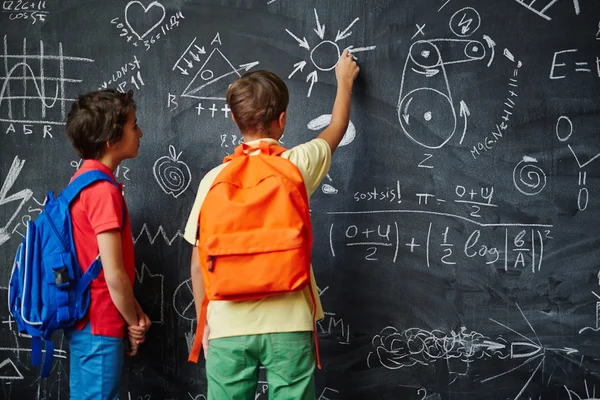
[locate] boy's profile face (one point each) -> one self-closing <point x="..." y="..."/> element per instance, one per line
<point x="129" y="144"/>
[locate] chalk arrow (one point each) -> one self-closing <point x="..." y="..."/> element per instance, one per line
<point x="200" y="49"/>
<point x="301" y="43"/>
<point x="247" y="67"/>
<point x="183" y="71"/>
<point x="194" y="56"/>
<point x="352" y="49"/>
<point x="344" y="34"/>
<point x="189" y="63"/>
<point x="567" y="350"/>
<point x="491" y="44"/>
<point x="312" y="77"/>
<point x="405" y="115"/>
<point x="320" y="31"/>
<point x="493" y="345"/>
<point x="464" y="112"/>
<point x="298" y="66"/>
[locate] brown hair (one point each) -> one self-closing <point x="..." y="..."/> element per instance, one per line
<point x="257" y="99"/>
<point x="96" y="118"/>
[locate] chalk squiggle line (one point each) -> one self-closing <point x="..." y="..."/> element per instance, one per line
<point x="588" y="328"/>
<point x="24" y="64"/>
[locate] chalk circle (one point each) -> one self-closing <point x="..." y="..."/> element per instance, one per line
<point x="528" y="178"/>
<point x="324" y="120"/>
<point x="425" y="54"/>
<point x="183" y="301"/>
<point x="475" y="50"/>
<point x="207" y="74"/>
<point x="568" y="124"/>
<point x="465" y="22"/>
<point x="329" y="55"/>
<point x="427" y="117"/>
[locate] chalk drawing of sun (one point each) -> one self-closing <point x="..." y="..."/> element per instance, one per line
<point x="326" y="54"/>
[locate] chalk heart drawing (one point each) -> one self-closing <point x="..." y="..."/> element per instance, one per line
<point x="172" y="175"/>
<point x="150" y="16"/>
<point x="324" y="120"/>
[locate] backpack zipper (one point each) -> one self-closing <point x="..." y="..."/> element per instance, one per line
<point x="211" y="260"/>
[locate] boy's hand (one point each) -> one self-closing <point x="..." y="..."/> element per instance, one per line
<point x="138" y="332"/>
<point x="144" y="321"/>
<point x="346" y="70"/>
<point x="133" y="346"/>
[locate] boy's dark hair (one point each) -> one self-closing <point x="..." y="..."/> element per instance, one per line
<point x="257" y="99"/>
<point x="96" y="118"/>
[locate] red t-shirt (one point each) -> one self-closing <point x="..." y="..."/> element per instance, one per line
<point x="99" y="208"/>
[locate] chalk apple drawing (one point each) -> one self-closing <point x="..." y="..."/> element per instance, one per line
<point x="173" y="176"/>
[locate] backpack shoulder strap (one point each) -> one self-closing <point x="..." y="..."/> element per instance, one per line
<point x="82" y="181"/>
<point x="265" y="148"/>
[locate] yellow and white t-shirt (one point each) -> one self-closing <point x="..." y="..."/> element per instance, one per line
<point x="289" y="312"/>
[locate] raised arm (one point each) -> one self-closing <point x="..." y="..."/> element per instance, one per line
<point x="345" y="72"/>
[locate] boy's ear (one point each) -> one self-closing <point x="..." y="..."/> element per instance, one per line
<point x="281" y="119"/>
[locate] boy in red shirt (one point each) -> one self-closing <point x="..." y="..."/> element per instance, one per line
<point x="102" y="127"/>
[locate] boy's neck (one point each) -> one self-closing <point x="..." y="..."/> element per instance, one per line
<point x="111" y="162"/>
<point x="250" y="136"/>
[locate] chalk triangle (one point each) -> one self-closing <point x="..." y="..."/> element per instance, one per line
<point x="213" y="78"/>
<point x="9" y="371"/>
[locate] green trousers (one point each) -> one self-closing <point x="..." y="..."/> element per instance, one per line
<point x="232" y="366"/>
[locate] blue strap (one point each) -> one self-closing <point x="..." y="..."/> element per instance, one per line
<point x="82" y="181"/>
<point x="62" y="306"/>
<point x="36" y="350"/>
<point x="47" y="367"/>
<point x="87" y="278"/>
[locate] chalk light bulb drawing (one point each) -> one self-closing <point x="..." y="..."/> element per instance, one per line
<point x="326" y="54"/>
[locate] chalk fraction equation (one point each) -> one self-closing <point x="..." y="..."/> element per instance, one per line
<point x="438" y="244"/>
<point x="474" y="199"/>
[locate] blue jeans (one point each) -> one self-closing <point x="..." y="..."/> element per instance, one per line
<point x="96" y="365"/>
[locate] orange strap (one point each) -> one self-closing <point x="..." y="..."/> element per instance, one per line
<point x="264" y="147"/>
<point x="195" y="353"/>
<point x="312" y="295"/>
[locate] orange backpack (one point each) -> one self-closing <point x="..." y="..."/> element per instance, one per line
<point x="255" y="234"/>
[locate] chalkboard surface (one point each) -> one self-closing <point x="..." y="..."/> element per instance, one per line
<point x="456" y="249"/>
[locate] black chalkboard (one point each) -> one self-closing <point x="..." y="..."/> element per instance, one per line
<point x="456" y="249"/>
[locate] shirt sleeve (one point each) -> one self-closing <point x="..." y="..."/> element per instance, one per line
<point x="313" y="159"/>
<point x="103" y="205"/>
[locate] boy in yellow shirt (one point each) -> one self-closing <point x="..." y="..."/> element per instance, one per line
<point x="275" y="332"/>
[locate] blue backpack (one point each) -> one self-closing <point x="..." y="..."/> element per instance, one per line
<point x="48" y="289"/>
